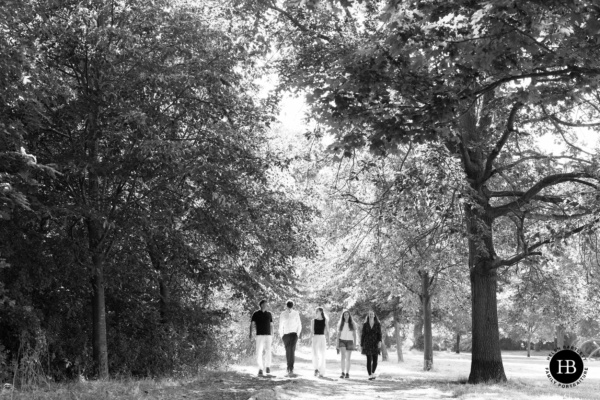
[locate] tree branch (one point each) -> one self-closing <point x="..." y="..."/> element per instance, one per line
<point x="295" y="21"/>
<point x="529" y="250"/>
<point x="537" y="157"/>
<point x="560" y="72"/>
<point x="556" y="123"/>
<point x="510" y="128"/>
<point x="554" y="217"/>
<point x="529" y="195"/>
<point x="518" y="193"/>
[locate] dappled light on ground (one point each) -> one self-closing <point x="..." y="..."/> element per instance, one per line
<point x="406" y="380"/>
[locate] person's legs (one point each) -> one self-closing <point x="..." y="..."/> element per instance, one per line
<point x="293" y="341"/>
<point x="369" y="359"/>
<point x="315" y="352"/>
<point x="348" y="356"/>
<point x="374" y="367"/>
<point x="260" y="347"/>
<point x="268" y="351"/>
<point x="343" y="353"/>
<point x="322" y="350"/>
<point x="286" y="343"/>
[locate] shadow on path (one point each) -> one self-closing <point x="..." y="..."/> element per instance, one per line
<point x="242" y="383"/>
<point x="306" y="386"/>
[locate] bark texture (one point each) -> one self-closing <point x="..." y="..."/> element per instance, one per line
<point x="427" y="330"/>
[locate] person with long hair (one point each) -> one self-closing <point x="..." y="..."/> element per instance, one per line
<point x="346" y="341"/>
<point x="319" y="331"/>
<point x="370" y="342"/>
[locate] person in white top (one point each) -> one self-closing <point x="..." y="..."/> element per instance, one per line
<point x="347" y="341"/>
<point x="290" y="328"/>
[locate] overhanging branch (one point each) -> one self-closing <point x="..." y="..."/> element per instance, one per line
<point x="518" y="193"/>
<point x="529" y="195"/>
<point x="529" y="251"/>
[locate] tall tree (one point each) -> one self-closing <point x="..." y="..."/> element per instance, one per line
<point x="487" y="80"/>
<point x="150" y="113"/>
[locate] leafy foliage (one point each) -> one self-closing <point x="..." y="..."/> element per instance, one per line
<point x="163" y="221"/>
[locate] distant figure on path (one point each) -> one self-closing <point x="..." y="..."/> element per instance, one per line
<point x="370" y="342"/>
<point x="346" y="341"/>
<point x="319" y="332"/>
<point x="290" y="328"/>
<point x="262" y="320"/>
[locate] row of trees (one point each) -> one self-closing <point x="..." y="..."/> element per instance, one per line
<point x="138" y="201"/>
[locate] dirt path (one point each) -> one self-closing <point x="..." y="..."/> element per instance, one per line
<point x="242" y="383"/>
<point x="307" y="386"/>
<point x="395" y="381"/>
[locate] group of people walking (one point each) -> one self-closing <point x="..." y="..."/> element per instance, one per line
<point x="290" y="328"/>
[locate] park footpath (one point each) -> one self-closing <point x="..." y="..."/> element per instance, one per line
<point x="304" y="385"/>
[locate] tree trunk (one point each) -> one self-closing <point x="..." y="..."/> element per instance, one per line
<point x="560" y="336"/>
<point x="418" y="329"/>
<point x="97" y="233"/>
<point x="457" y="342"/>
<point x="398" y="334"/>
<point x="99" y="341"/>
<point x="486" y="358"/>
<point x="529" y="343"/>
<point x="486" y="362"/>
<point x="163" y="287"/>
<point x="384" y="350"/>
<point x="428" y="338"/>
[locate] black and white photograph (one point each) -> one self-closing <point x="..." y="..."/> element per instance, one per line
<point x="299" y="199"/>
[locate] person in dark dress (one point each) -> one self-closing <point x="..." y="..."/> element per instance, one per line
<point x="370" y="342"/>
<point x="262" y="321"/>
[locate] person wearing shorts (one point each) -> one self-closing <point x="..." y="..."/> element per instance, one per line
<point x="346" y="341"/>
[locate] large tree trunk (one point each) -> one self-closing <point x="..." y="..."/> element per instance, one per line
<point x="398" y="333"/>
<point x="486" y="358"/>
<point x="486" y="364"/>
<point x="529" y="342"/>
<point x="428" y="338"/>
<point x="99" y="341"/>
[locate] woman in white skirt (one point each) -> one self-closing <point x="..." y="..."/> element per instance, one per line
<point x="320" y="340"/>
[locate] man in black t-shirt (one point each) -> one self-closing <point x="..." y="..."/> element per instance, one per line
<point x="262" y="320"/>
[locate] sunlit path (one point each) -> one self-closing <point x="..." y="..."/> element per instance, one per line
<point x="407" y="380"/>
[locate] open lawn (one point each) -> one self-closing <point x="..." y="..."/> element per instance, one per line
<point x="527" y="380"/>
